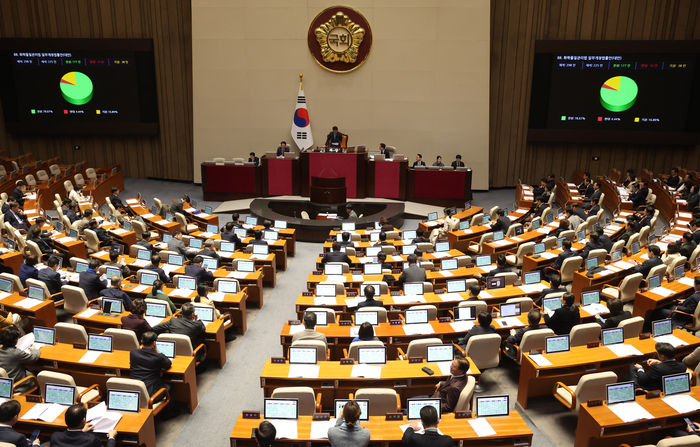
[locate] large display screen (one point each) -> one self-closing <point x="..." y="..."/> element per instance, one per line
<point x="78" y="86"/>
<point x="615" y="91"/>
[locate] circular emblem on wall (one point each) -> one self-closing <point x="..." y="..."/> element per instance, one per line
<point x="340" y="39"/>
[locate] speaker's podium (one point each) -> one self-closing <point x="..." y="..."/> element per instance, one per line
<point x="328" y="190"/>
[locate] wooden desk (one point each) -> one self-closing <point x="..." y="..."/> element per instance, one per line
<point x="646" y="302"/>
<point x="217" y="184"/>
<point x="460" y="239"/>
<point x="268" y="266"/>
<point x="387" y="179"/>
<point x="389" y="434"/>
<point x="446" y="187"/>
<point x="44" y="313"/>
<point x="47" y="192"/>
<point x="581" y="281"/>
<point x="600" y="427"/>
<point x="156" y="222"/>
<point x="568" y="367"/>
<point x="63" y="358"/>
<point x="428" y="226"/>
<point x="104" y="188"/>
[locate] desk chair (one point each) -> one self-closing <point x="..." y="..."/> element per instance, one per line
<point x="69" y="186"/>
<point x="71" y="333"/>
<point x="477" y="219"/>
<point x="549" y="242"/>
<point x="480" y="305"/>
<point x="183" y="346"/>
<point x="92" y="242"/>
<point x="581" y="334"/>
<point x="568" y="268"/>
<point x="590" y="386"/>
<point x="601" y="254"/>
<point x="525" y="303"/>
<point x="346" y="267"/>
<point x="168" y="311"/>
<point x="330" y="313"/>
<point x="219" y="161"/>
<point x="339" y="286"/>
<point x="33" y="249"/>
<point x="85" y="394"/>
<point x="427" y="265"/>
<point x="123" y="339"/>
<point x="3" y="374"/>
<point x="644" y="236"/>
<point x="463" y="261"/>
<point x="31" y="181"/>
<point x="382" y="316"/>
<point x="516" y="259"/>
<point x="494" y="212"/>
<point x="74" y="260"/>
<point x="322" y="351"/>
<point x="388" y="249"/>
<point x="626" y="290"/>
<point x="381" y="400"/>
<point x="484" y="350"/>
<point x="90" y="173"/>
<point x="16" y="282"/>
<point x="695" y="324"/>
<point x="305" y="215"/>
<point x="238" y="285"/>
<point x="693" y="261"/>
<point x="510" y="277"/>
<point x="47" y="295"/>
<point x="350" y="251"/>
<point x="425" y="246"/>
<point x="139" y="228"/>
<point x="308" y="402"/>
<point x="632" y="326"/>
<point x="479" y="248"/>
<point x="512" y="228"/>
<point x="54" y="169"/>
<point x="618" y="245"/>
<point x="569" y="234"/>
<point x="681" y="260"/>
<point x="145" y="401"/>
<point x="392" y="235"/>
<point x="658" y="270"/>
<point x="184" y="226"/>
<point x="417" y="348"/>
<point x="532" y="340"/>
<point x="634" y="238"/>
<point x="432" y="310"/>
<point x="79" y="180"/>
<point x="74" y="299"/>
<point x="465" y="397"/>
<point x="351" y="352"/>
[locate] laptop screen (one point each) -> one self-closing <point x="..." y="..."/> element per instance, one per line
<point x="184" y="282"/>
<point x="281" y="224"/>
<point x="492" y="406"/>
<point x="156" y="310"/>
<point x="636" y="248"/>
<point x="539" y="248"/>
<point x="415" y="405"/>
<point x="432" y="216"/>
<point x="35" y="292"/>
<point x="654" y="281"/>
<point x="487" y="219"/>
<point x="348" y="226"/>
<point x="196" y="243"/>
<point x="496" y="282"/>
<point x="147" y="279"/>
<point x="270" y="235"/>
<point x="6" y="388"/>
<point x="536" y="224"/>
<point x="408" y="249"/>
<point x="112" y="272"/>
<point x="591" y="263"/>
<point x="456" y="286"/>
<point x="413" y="288"/>
<point x="661" y="327"/>
<point x="465" y="313"/>
<point x="167" y="348"/>
<point x="498" y="236"/>
<point x="227" y="247"/>
<point x="559" y="343"/>
<point x="372" y="269"/>
<point x="227" y="286"/>
<point x="464" y="225"/>
<point x="204" y="313"/>
<point x="532" y="277"/>
<point x="302" y="355"/>
<point x="439" y="353"/>
<point x="371" y="355"/>
<point x="111" y="306"/>
<point x="212" y="229"/>
<point x="372" y="251"/>
<point x="370" y="316"/>
<point x="373" y="237"/>
<point x="409" y="234"/>
<point x="377" y="289"/>
<point x="679" y="272"/>
<point x="448" y="264"/>
<point x="126" y="401"/>
<point x="482" y="261"/>
<point x="6" y="285"/>
<point x="325" y="290"/>
<point x="362" y="403"/>
<point x="260" y="249"/>
<point x="59" y="394"/>
<point x="73" y="234"/>
<point x="240" y="232"/>
<point x="44" y="335"/>
<point x="175" y="260"/>
<point x="101" y="343"/>
<point x="167" y="238"/>
<point x="442" y="246"/>
<point x="550" y="218"/>
<point x="560" y="242"/>
<point x="510" y="309"/>
<point x="81" y="267"/>
<point x="251" y="220"/>
<point x="321" y="318"/>
<point x="333" y="269"/>
<point x="245" y="266"/>
<point x="211" y="264"/>
<point x="612" y="336"/>
<point x="519" y="230"/>
<point x="620" y="392"/>
<point x="282" y="409"/>
<point x="127" y="225"/>
<point x="590" y="297"/>
<point x="676" y="384"/>
<point x="416" y="316"/>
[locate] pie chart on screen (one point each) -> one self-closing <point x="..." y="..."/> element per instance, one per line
<point x="76" y="88"/>
<point x="618" y="93"/>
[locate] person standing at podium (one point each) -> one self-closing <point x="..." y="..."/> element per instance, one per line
<point x="334" y="138"/>
<point x="282" y="149"/>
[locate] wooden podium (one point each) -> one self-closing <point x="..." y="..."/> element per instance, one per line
<point x="328" y="190"/>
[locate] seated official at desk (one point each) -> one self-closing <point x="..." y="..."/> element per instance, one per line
<point x="538" y="207"/>
<point x="121" y="214"/>
<point x="382" y="240"/>
<point x="351" y="214"/>
<point x="629" y="232"/>
<point x="654" y="259"/>
<point x="420" y="237"/>
<point x="78" y="433"/>
<point x="592" y="244"/>
<point x="113" y="262"/>
<point x="369" y="299"/>
<point x="13" y="359"/>
<point x="687" y="306"/>
<point x="501" y="267"/>
<point x="309" y="333"/>
<point x="672" y="253"/>
<point x="450" y="224"/>
<point x="105" y="240"/>
<point x="9" y="415"/>
<point x="666" y="365"/>
<point x="564" y="318"/>
<point x="28" y="269"/>
<point x="431" y="437"/>
<point x="18" y="192"/>
<point x="51" y="277"/>
<point x="157" y="293"/>
<point x="458" y="163"/>
<point x="35" y="236"/>
<point x="516" y="335"/>
<point x="282" y="149"/>
<point x="16" y="218"/>
<point x="483" y="328"/>
<point x="81" y="224"/>
<point x="381" y="257"/>
<point x="135" y="321"/>
<point x="346" y="242"/>
<point x="115" y="291"/>
<point x="186" y="324"/>
<point x="336" y="255"/>
<point x="348" y="432"/>
<point x="413" y="273"/>
<point x="144" y="244"/>
<point x="687" y="245"/>
<point x="265" y="434"/>
<point x="334" y="138"/>
<point x="366" y="333"/>
<point x="154" y="267"/>
<point x="388" y="153"/>
<point x="253" y="159"/>
<point x="198" y="272"/>
<point x="419" y="161"/>
<point x="604" y="239"/>
<point x="692" y="198"/>
<point x="645" y="217"/>
<point x="90" y="281"/>
<point x="147" y="364"/>
<point x="566" y="253"/>
<point x="201" y="297"/>
<point x="257" y="239"/>
<point x="502" y="223"/>
<point x="209" y="250"/>
<point x="114" y="197"/>
<point x="449" y="390"/>
<point x="473" y="293"/>
<point x="438" y="162"/>
<point x="695" y="229"/>
<point x="75" y="194"/>
<point x="593" y="210"/>
<point x="617" y="314"/>
<point x="573" y="219"/>
<point x="228" y="235"/>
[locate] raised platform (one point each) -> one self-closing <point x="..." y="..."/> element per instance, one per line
<point x="314" y="230"/>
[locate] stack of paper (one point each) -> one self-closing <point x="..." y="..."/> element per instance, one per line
<point x="169" y="268"/>
<point x="624" y="350"/>
<point x="119" y="231"/>
<point x="183" y="293"/>
<point x="682" y="403"/>
<point x="407" y="299"/>
<point x="418" y="329"/>
<point x="441" y="254"/>
<point x="488" y="268"/>
<point x="260" y="257"/>
<point x="687" y="281"/>
<point x="90" y="357"/>
<point x="140" y="263"/>
<point x="484" y="294"/>
<point x="358" y="278"/>
<point x="548" y="255"/>
<point x="517" y="239"/>
<point x="140" y="288"/>
<point x="325" y="301"/>
<point x="445" y="297"/>
<point x="501" y="242"/>
<point x="366" y="371"/>
<point x="132" y="201"/>
<point x="44" y="412"/>
<point x="103" y="420"/>
<point x="623" y="265"/>
<point x="28" y="303"/>
<point x="216" y="296"/>
<point x="540" y="360"/>
<point x="519" y="211"/>
<point x="397" y="258"/>
<point x="87" y="313"/>
<point x="365" y="260"/>
<point x="296" y="328"/>
<point x="662" y="291"/>
<point x="630" y="412"/>
<point x="163" y="222"/>
<point x="353" y="302"/>
<point x="285" y="428"/>
<point x="532" y="288"/>
<point x="146" y="216"/>
<point x="544" y="230"/>
<point x="336" y="278"/>
<point x="237" y="275"/>
<point x="65" y="240"/>
<point x="672" y="339"/>
<point x="510" y="322"/>
<point x="4" y="295"/>
<point x="595" y="309"/>
<point x="446" y="273"/>
<point x="482" y="427"/>
<point x="319" y="429"/>
<point x="99" y="253"/>
<point x="444" y="368"/>
<point x="304" y="371"/>
<point x="462" y="326"/>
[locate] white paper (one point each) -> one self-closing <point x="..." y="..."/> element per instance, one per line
<point x="445" y="297"/>
<point x="488" y="268"/>
<point x="605" y="272"/>
<point x="183" y="293"/>
<point x="365" y="260"/>
<point x="99" y="253"/>
<point x="96" y="412"/>
<point x="132" y="201"/>
<point x="407" y="299"/>
<point x="4" y="295"/>
<point x="548" y="255"/>
<point x="140" y="263"/>
<point x="65" y="240"/>
<point x="540" y="360"/>
<point x="296" y="328"/>
<point x="44" y="412"/>
<point x="28" y="303"/>
<point x="90" y="357"/>
<point x="532" y="288"/>
<point x="595" y="309"/>
<point x="544" y="230"/>
<point x="645" y="256"/>
<point x="444" y="368"/>
<point x="682" y="403"/>
<point x="153" y="321"/>
<point x="512" y="218"/>
<point x="662" y="291"/>
<point x="516" y="238"/>
<point x="366" y="371"/>
<point x="509" y="322"/>
<point x="237" y="275"/>
<point x="161" y="245"/>
<point x="501" y="242"/>
<point x="358" y="278"/>
<point x="107" y="422"/>
<point x="163" y="222"/>
<point x="304" y="371"/>
<point x="623" y="350"/>
<point x="441" y="254"/>
<point x="335" y="278"/>
<point x="462" y="326"/>
<point x="325" y="301"/>
<point x="259" y="257"/>
<point x="446" y="273"/>
<point x="482" y="427"/>
<point x="418" y="329"/>
<point x="319" y="429"/>
<point x="623" y="265"/>
<point x="397" y="258"/>
<point x="119" y="231"/>
<point x="146" y="216"/>
<point x="630" y="412"/>
<point x="205" y="235"/>
<point x="353" y="302"/>
<point x="140" y="288"/>
<point x="485" y="294"/>
<point x="285" y="428"/>
<point x="672" y="339"/>
<point x="25" y="342"/>
<point x="216" y="296"/>
<point x="169" y="268"/>
<point x="467" y="231"/>
<point x="87" y="313"/>
<point x="519" y="211"/>
<point x="420" y="431"/>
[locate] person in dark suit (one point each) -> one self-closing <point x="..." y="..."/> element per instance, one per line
<point x="18" y="192"/>
<point x="566" y="253"/>
<point x="114" y="197"/>
<point x="148" y="364"/>
<point x="90" y="281"/>
<point x="253" y="159"/>
<point x="687" y="245"/>
<point x="154" y="266"/>
<point x="346" y="242"/>
<point x="382" y="240"/>
<point x="629" y="231"/>
<point x="595" y="195"/>
<point x="484" y="327"/>
<point x="336" y="255"/>
<point x="381" y="258"/>
<point x="604" y="239"/>
<point x="78" y="433"/>
<point x="695" y="229"/>
<point x="13" y="360"/>
<point x="334" y="138"/>
<point x="369" y="299"/>
<point x="73" y="214"/>
<point x="592" y="244"/>
<point x="14" y="218"/>
<point x="687" y="306"/>
<point x="502" y="223"/>
<point x="282" y="149"/>
<point x="554" y="287"/>
<point x="588" y="192"/>
<point x="115" y="291"/>
<point x="653" y="261"/>
<point x="35" y="236"/>
<point x="449" y="390"/>
<point x="645" y="219"/>
<point x="257" y="239"/>
<point x="9" y="415"/>
<point x="673" y="180"/>
<point x="114" y="263"/>
<point x="564" y="225"/>
<point x="102" y="235"/>
<point x="187" y="324"/>
<point x="638" y="195"/>
<point x="516" y="336"/>
<point x="10" y="201"/>
<point x="265" y="434"/>
<point x="473" y="293"/>
<point x="616" y="315"/>
<point x="576" y="209"/>
<point x="582" y="186"/>
<point x="419" y="161"/>
<point x="431" y="436"/>
<point x="538" y="207"/>
<point x="593" y="210"/>
<point x="458" y="163"/>
<point x="551" y="182"/>
<point x="28" y="269"/>
<point x="196" y="271"/>
<point x="501" y="267"/>
<point x="666" y="365"/>
<point x="179" y="205"/>
<point x="209" y="250"/>
<point x="420" y="237"/>
<point x="144" y="244"/>
<point x="413" y="273"/>
<point x="228" y="235"/>
<point x="564" y="318"/>
<point x="52" y="278"/>
<point x="135" y="321"/>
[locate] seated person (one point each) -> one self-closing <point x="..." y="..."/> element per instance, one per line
<point x="382" y="240"/>
<point x="458" y="163"/>
<point x="175" y="243"/>
<point x="617" y="314"/>
<point x="144" y="244"/>
<point x="431" y="436"/>
<point x="604" y="239"/>
<point x="365" y="333"/>
<point x="369" y="299"/>
<point x="115" y="291"/>
<point x="114" y="197"/>
<point x="654" y="259"/>
<point x="687" y="245"/>
<point x="253" y="159"/>
<point x="9" y="415"/>
<point x="102" y="235"/>
<point x="538" y="207"/>
<point x="18" y="193"/>
<point x="473" y="292"/>
<point x="563" y="226"/>
<point x="282" y="149"/>
<point x="148" y="365"/>
<point x="336" y="255"/>
<point x="198" y="272"/>
<point x="154" y="266"/>
<point x="593" y="210"/>
<point x="564" y="318"/>
<point x="413" y="273"/>
<point x="381" y="258"/>
<point x="672" y="253"/>
<point x="574" y="220"/>
<point x="72" y="212"/>
<point x="114" y="262"/>
<point x="420" y="237"/>
<point x="566" y="253"/>
<point x="157" y="293"/>
<point x="516" y="335"/>
<point x="35" y="236"/>
<point x="674" y="179"/>
<point x="135" y="321"/>
<point x="90" y="281"/>
<point x="347" y="430"/>
<point x="51" y="277"/>
<point x="576" y="209"/>
<point x="438" y="162"/>
<point x="82" y="224"/>
<point x="209" y="250"/>
<point x="13" y="359"/>
<point x="592" y="244"/>
<point x="666" y="365"/>
<point x="17" y="219"/>
<point x="78" y="433"/>
<point x="228" y="235"/>
<point x="687" y="306"/>
<point x="554" y="287"/>
<point x="39" y="222"/>
<point x="258" y="239"/>
<point x="265" y="434"/>
<point x="309" y="333"/>
<point x="484" y="327"/>
<point x="629" y="231"/>
<point x="450" y="389"/>
<point x="351" y="214"/>
<point x="201" y="297"/>
<point x="450" y="224"/>
<point x="346" y="242"/>
<point x="186" y="323"/>
<point x="28" y="269"/>
<point x="502" y="223"/>
<point x="419" y="161"/>
<point x="76" y="194"/>
<point x="501" y="267"/>
<point x="419" y="257"/>
<point x="583" y="185"/>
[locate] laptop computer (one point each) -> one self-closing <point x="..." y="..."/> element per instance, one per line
<point x="300" y="355"/>
<point x="560" y="242"/>
<point x="370" y="316"/>
<point x="211" y="264"/>
<point x="592" y="297"/>
<point x="325" y="290"/>
<point x="374" y="237"/>
<point x="557" y="343"/>
<point x="374" y="355"/>
<point x="495" y="282"/>
<point x="260" y="249"/>
<point x="227" y="286"/>
<point x="636" y="248"/>
<point x="532" y="277"/>
<point x="498" y="236"/>
<point x="281" y="409"/>
<point x="250" y="220"/>
<point x="167" y="348"/>
<point x="240" y="232"/>
<point x="280" y="224"/>
<point x="442" y="246"/>
<point x="196" y="243"/>
<point x="661" y="327"/>
<point x="187" y="283"/>
<point x="111" y="272"/>
<point x="416" y="316"/>
<point x="245" y="266"/>
<point x="6" y="388"/>
<point x="432" y="216"/>
<point x="348" y="226"/>
<point x="464" y="225"/>
<point x="362" y="403"/>
<point x="409" y="235"/>
<point x="591" y="263"/>
<point x="413" y="288"/>
<point x="552" y="304"/>
<point x="156" y="310"/>
<point x="321" y="318"/>
<point x="371" y="252"/>
<point x="36" y="293"/>
<point x="612" y="336"/>
<point x="227" y="247"/>
<point x="81" y="267"/>
<point x="123" y="401"/>
<point x="408" y="249"/>
<point x="464" y="313"/>
<point x="456" y="286"/>
<point x="44" y="335"/>
<point x="676" y="384"/>
<point x="414" y="406"/>
<point x="448" y="264"/>
<point x="332" y="269"/>
<point x="440" y="353"/>
<point x="372" y="269"/>
<point x="212" y="229"/>
<point x="270" y="235"/>
<point x="176" y="260"/>
<point x="510" y="310"/>
<point x="205" y="313"/>
<point x="111" y="306"/>
<point x="59" y="394"/>
<point x="102" y="343"/>
<point x="147" y="279"/>
<point x="492" y="406"/>
<point x="483" y="261"/>
<point x="616" y="256"/>
<point x="618" y="393"/>
<point x="654" y="282"/>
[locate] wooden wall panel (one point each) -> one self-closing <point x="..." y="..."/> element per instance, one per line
<point x="169" y="24"/>
<point x="515" y="25"/>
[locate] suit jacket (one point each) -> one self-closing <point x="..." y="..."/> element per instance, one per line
<point x="182" y="326"/>
<point x="19" y="195"/>
<point x="673" y="180"/>
<point x="78" y="438"/>
<point x="136" y="324"/>
<point x="596" y="194"/>
<point x="124" y="269"/>
<point x="334" y="138"/>
<point x="501" y="224"/>
<point x="200" y="273"/>
<point x="91" y="284"/>
<point x="613" y="322"/>
<point x="418" y="163"/>
<point x="230" y="237"/>
<point x="498" y="270"/>
<point x="696" y="236"/>
<point x="652" y="379"/>
<point x="116" y="201"/>
<point x="13" y="360"/>
<point x="643" y="222"/>
<point x="146" y="246"/>
<point x="370" y="303"/>
<point x="590" y="245"/>
<point x="639" y="198"/>
<point x="589" y="191"/>
<point x="593" y="211"/>
<point x="210" y="253"/>
<point x="119" y="295"/>
<point x="146" y="366"/>
<point x="687" y="249"/>
<point x="9" y="435"/>
<point x="412" y="274"/>
<point x="476" y="330"/>
<point x="457" y="164"/>
<point x="52" y="280"/>
<point x="71" y="215"/>
<point x="161" y="273"/>
<point x="255" y="160"/>
<point x="520" y="332"/>
<point x="43" y="245"/>
<point x="177" y="207"/>
<point x="563" y="319"/>
<point x="547" y="291"/>
<point x="689" y="304"/>
<point x="607" y="243"/>
<point x="26" y="271"/>
<point x="561" y="257"/>
<point x="336" y="256"/>
<point x="540" y="209"/>
<point x="14" y="220"/>
<point x="647" y="265"/>
<point x="309" y="334"/>
<point x="281" y="151"/>
<point x="431" y="438"/>
<point x="449" y="391"/>
<point x="352" y="215"/>
<point x="177" y="246"/>
<point x="258" y="242"/>
<point x="580" y="213"/>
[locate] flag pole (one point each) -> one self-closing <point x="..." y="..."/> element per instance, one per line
<point x="301" y="81"/>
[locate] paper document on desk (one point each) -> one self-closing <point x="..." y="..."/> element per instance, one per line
<point x="319" y="429"/>
<point x="630" y="412"/>
<point x="515" y="238"/>
<point x="4" y="295"/>
<point x="358" y="278"/>
<point x="140" y="263"/>
<point x="90" y="357"/>
<point x="488" y="268"/>
<point x="147" y="216"/>
<point x="418" y="329"/>
<point x="25" y="342"/>
<point x="44" y="412"/>
<point x="467" y="231"/>
<point x="216" y="296"/>
<point x="119" y="231"/>
<point x="366" y="371"/>
<point x="624" y="350"/>
<point x="397" y="258"/>
<point x="237" y="275"/>
<point x="672" y="339"/>
<point x="325" y="301"/>
<point x="65" y="240"/>
<point x="501" y="242"/>
<point x="682" y="403"/>
<point x="153" y="321"/>
<point x="662" y="291"/>
<point x="259" y="257"/>
<point x="595" y="309"/>
<point x="446" y="273"/>
<point x="304" y="371"/>
<point x="132" y="201"/>
<point x="446" y="297"/>
<point x="87" y="313"/>
<point x="161" y="245"/>
<point x="335" y="278"/>
<point x="99" y="254"/>
<point x="420" y="431"/>
<point x="482" y="427"/>
<point x="548" y="255"/>
<point x="520" y="211"/>
<point x="183" y="293"/>
<point x="687" y="281"/>
<point x="605" y="272"/>
<point x="407" y="241"/>
<point x="441" y="254"/>
<point x="169" y="268"/>
<point x="613" y="269"/>
<point x="354" y="331"/>
<point x="107" y="422"/>
<point x="353" y="302"/>
<point x="532" y="288"/>
<point x="540" y="360"/>
<point x="444" y="368"/>
<point x="431" y="224"/>
<point x="96" y="412"/>
<point x="285" y="428"/>
<point x="484" y="294"/>
<point x="28" y="303"/>
<point x="462" y="326"/>
<point x="544" y="230"/>
<point x="407" y="299"/>
<point x="510" y="322"/>
<point x="365" y="260"/>
<point x="512" y="218"/>
<point x="296" y="328"/>
<point x="623" y="265"/>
